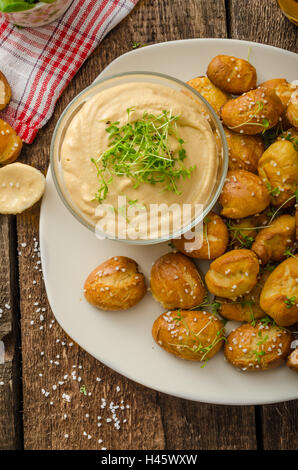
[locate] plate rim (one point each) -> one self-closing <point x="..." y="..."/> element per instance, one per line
<point x="187" y="395"/>
<point x="175" y="41"/>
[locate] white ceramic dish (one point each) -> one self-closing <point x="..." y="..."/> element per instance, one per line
<point x="122" y="340"/>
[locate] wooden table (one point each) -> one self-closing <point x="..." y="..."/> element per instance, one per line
<point x="38" y="412"/>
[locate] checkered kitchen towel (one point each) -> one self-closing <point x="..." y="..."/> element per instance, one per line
<point x="40" y="62"/>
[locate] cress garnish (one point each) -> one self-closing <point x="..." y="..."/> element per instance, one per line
<point x="272" y="191"/>
<point x="295" y="196"/>
<point x="288" y="253"/>
<point x="290" y="301"/>
<point x="194" y="336"/>
<point x="259" y="353"/>
<point x="264" y="123"/>
<point x="205" y="229"/>
<point x="245" y="241"/>
<point x="215" y="306"/>
<point x="140" y="150"/>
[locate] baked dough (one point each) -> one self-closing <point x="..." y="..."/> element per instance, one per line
<point x="215" y="97"/>
<point x="21" y="186"/>
<point x="253" y="112"/>
<point x="176" y="282"/>
<point x="231" y="74"/>
<point x="10" y="144"/>
<point x="258" y="347"/>
<point x="243" y="194"/>
<point x="194" y="336"/>
<point x="233" y="274"/>
<point x="5" y="91"/>
<point x="279" y="297"/>
<point x="116" y="284"/>
<point x="211" y="244"/>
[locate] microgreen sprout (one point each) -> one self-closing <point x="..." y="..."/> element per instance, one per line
<point x="245" y="241"/>
<point x="249" y="304"/>
<point x="206" y="349"/>
<point x="261" y="341"/>
<point x="270" y="212"/>
<point x="252" y="317"/>
<point x="290" y="301"/>
<point x="83" y="390"/>
<point x="294" y="140"/>
<point x="140" y="151"/>
<point x="215" y="306"/>
<point x="267" y="321"/>
<point x="289" y="253"/>
<point x="193" y="337"/>
<point x="264" y="123"/>
<point x="295" y="196"/>
<point x="272" y="191"/>
<point x="267" y="268"/>
<point x="205" y="229"/>
<point x="137" y="45"/>
<point x="270" y="135"/>
<point x="178" y="318"/>
<point x="132" y="202"/>
<point x="259" y="354"/>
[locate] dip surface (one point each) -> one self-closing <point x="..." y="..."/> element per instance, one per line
<point x="86" y="138"/>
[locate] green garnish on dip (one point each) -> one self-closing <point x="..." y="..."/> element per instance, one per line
<point x="141" y="151"/>
<point x="12" y="6"/>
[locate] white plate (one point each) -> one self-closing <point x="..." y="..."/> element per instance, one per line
<point x="69" y="251"/>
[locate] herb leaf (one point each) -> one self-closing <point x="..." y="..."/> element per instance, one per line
<point x="140" y="151"/>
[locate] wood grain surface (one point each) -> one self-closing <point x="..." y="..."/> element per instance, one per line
<point x="264" y="22"/>
<point x="70" y="400"/>
<point x="10" y="422"/>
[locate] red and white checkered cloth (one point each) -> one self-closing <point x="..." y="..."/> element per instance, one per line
<point x="40" y="62"/>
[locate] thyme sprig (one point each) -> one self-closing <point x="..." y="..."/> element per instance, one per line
<point x="140" y="150"/>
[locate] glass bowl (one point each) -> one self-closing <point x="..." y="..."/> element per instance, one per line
<point x="38" y="14"/>
<point x="128" y="78"/>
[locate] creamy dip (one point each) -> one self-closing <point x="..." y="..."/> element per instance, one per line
<point x="86" y="138"/>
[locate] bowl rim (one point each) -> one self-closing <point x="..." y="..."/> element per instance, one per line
<point x="196" y="220"/>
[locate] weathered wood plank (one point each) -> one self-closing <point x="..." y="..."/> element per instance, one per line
<point x="10" y="417"/>
<point x="152" y="418"/>
<point x="57" y="413"/>
<point x="264" y="22"/>
<point x="280" y="426"/>
<point x="189" y="425"/>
